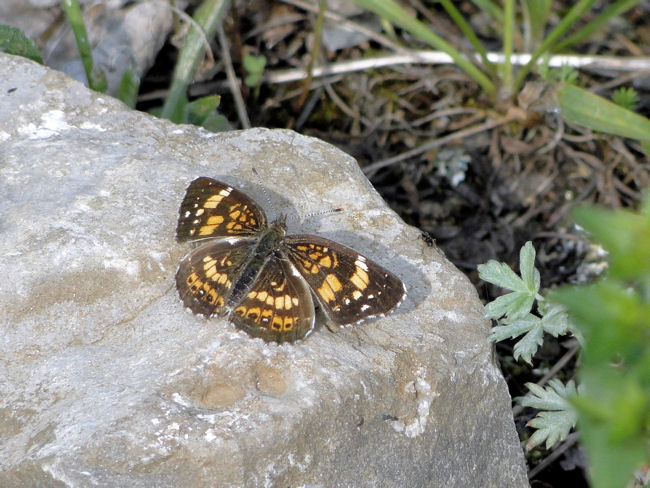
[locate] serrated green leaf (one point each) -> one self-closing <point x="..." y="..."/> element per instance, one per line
<point x="529" y="275"/>
<point x="556" y="320"/>
<point x="514" y="329"/>
<point x="513" y="305"/>
<point x="501" y="275"/>
<point x="557" y="417"/>
<point x="527" y="345"/>
<point x="14" y="41"/>
<point x="551" y="427"/>
<point x="553" y="397"/>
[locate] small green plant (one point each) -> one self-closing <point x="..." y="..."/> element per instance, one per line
<point x="513" y="310"/>
<point x="611" y="318"/>
<point x="626" y="97"/>
<point x="254" y="66"/>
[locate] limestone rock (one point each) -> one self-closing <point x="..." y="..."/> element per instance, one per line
<point x="106" y="380"/>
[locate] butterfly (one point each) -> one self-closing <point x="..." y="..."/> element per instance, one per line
<point x="266" y="282"/>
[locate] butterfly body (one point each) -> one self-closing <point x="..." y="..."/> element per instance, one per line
<point x="266" y="281"/>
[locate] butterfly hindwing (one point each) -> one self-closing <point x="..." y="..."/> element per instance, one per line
<point x="213" y="209"/>
<point x="206" y="277"/>
<point x="349" y="286"/>
<point x="278" y="306"/>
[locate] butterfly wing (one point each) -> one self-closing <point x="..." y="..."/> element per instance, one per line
<point x="349" y="286"/>
<point x="205" y="278"/>
<point x="278" y="307"/>
<point x="214" y="209"/>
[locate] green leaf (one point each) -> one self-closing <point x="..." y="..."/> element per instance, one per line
<point x="128" y="90"/>
<point x="614" y="423"/>
<point x="514" y="329"/>
<point x="555" y="319"/>
<point x="513" y="305"/>
<point x="558" y="416"/>
<point x="254" y="66"/>
<point x="14" y="41"/>
<point x="588" y="110"/>
<point x="529" y="274"/>
<point x="518" y="303"/>
<point x="501" y="275"/>
<point x="199" y="110"/>
<point x="527" y="345"/>
<point x="613" y="320"/>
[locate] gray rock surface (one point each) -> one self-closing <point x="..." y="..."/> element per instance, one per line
<point x="106" y="380"/>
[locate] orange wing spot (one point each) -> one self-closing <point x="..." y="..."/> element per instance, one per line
<point x="277" y="322"/>
<point x="234" y="226"/>
<point x="287" y="302"/>
<point x="314" y="269"/>
<point x="301" y="248"/>
<point x="199" y="212"/>
<point x="261" y="296"/>
<point x="266" y="313"/>
<point x="235" y="215"/>
<point x="288" y="323"/>
<point x="211" y="297"/>
<point x="360" y="279"/>
<point x="269" y="300"/>
<point x="214" y="200"/>
<point x="315" y="255"/>
<point x="252" y="294"/>
<point x="253" y="313"/>
<point x="241" y="311"/>
<point x="223" y="279"/>
<point x="295" y="301"/>
<point x="194" y="282"/>
<point x="215" y="220"/>
<point x="208" y="262"/>
<point x="206" y="230"/>
<point x="210" y="272"/>
<point x="279" y="303"/>
<point x="326" y="261"/>
<point x="356" y="294"/>
<point x="330" y="286"/>
<point x="334" y="283"/>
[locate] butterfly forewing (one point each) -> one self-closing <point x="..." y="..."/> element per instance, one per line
<point x="349" y="286"/>
<point x="213" y="209"/>
<point x="206" y="277"/>
<point x="278" y="307"/>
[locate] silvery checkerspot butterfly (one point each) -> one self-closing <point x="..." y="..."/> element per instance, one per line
<point x="262" y="279"/>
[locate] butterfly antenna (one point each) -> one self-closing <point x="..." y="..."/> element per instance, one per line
<point x="266" y="194"/>
<point x="324" y="212"/>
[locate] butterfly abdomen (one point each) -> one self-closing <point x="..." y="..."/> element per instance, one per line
<point x="269" y="241"/>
